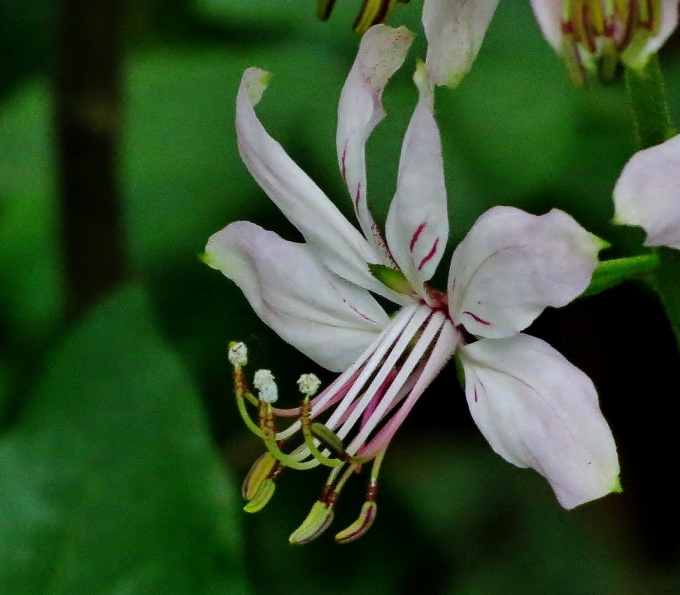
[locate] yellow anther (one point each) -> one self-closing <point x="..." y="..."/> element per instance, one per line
<point x="262" y="496"/>
<point x="261" y="469"/>
<point x="317" y="521"/>
<point x="359" y="527"/>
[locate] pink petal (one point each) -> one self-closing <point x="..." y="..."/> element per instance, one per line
<point x="325" y="317"/>
<point x="417" y="225"/>
<point x="454" y="30"/>
<point x="333" y="239"/>
<point x="381" y="52"/>
<point x="537" y="410"/>
<point x="548" y="13"/>
<point x="648" y="193"/>
<point x="512" y="265"/>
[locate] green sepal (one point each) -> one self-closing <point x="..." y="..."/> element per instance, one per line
<point x="391" y="278"/>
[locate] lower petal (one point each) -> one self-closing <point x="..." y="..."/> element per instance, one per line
<point x="327" y="318"/>
<point x="538" y="410"/>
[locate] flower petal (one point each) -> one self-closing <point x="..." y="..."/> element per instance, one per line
<point x="511" y="265"/>
<point x="334" y="240"/>
<point x="325" y="317"/>
<point x="648" y="193"/>
<point x="537" y="410"/>
<point x="548" y="13"/>
<point x="417" y="226"/>
<point x="454" y="30"/>
<point x="381" y="52"/>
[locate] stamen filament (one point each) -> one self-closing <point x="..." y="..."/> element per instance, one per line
<point x="444" y="347"/>
<point x="429" y="333"/>
<point x="406" y="335"/>
<point x="310" y="439"/>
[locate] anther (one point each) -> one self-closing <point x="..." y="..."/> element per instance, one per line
<point x="309" y="384"/>
<point x="266" y="386"/>
<point x="259" y="472"/>
<point x="238" y="353"/>
<point x="317" y="521"/>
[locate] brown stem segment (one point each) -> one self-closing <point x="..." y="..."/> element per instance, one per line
<point x="87" y="97"/>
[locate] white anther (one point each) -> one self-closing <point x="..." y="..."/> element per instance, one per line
<point x="238" y="353"/>
<point x="266" y="386"/>
<point x="309" y="384"/>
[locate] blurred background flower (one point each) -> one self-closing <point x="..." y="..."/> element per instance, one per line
<point x="122" y="447"/>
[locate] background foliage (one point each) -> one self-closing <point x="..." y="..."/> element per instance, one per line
<point x="121" y="449"/>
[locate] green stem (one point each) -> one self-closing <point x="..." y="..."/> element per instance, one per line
<point x="648" y="103"/>
<point x="613" y="272"/>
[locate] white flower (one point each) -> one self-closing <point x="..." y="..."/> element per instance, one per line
<point x="534" y="407"/>
<point x="647" y="193"/>
<point x="596" y="34"/>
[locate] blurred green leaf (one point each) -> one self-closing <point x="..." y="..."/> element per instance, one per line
<point x="500" y="527"/>
<point x="260" y="12"/>
<point x="109" y="482"/>
<point x="30" y="287"/>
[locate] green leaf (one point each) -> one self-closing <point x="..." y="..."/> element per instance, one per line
<point x="109" y="482"/>
<point x="667" y="284"/>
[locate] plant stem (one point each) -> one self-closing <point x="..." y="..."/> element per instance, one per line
<point x="648" y="103"/>
<point x="87" y="97"/>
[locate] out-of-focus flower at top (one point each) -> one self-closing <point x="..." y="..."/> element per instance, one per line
<point x="372" y="12"/>
<point x="647" y="193"/>
<point x="534" y="407"/>
<point x="594" y="35"/>
<point x="454" y="30"/>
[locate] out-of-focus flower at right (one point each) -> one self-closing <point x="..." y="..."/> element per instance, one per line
<point x="647" y="193"/>
<point x="595" y="35"/>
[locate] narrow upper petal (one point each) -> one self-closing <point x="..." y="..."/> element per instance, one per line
<point x="648" y="193"/>
<point x="325" y="317"/>
<point x="417" y="226"/>
<point x="455" y="30"/>
<point x="381" y="52"/>
<point x="538" y="410"/>
<point x="512" y="265"/>
<point x="548" y="13"/>
<point x="335" y="241"/>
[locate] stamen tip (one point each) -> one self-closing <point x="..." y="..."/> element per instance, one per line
<point x="317" y="521"/>
<point x="266" y="386"/>
<point x="238" y="353"/>
<point x="262" y="496"/>
<point x="309" y="384"/>
<point x="359" y="527"/>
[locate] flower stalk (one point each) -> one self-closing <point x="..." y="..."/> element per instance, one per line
<point x="649" y="106"/>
